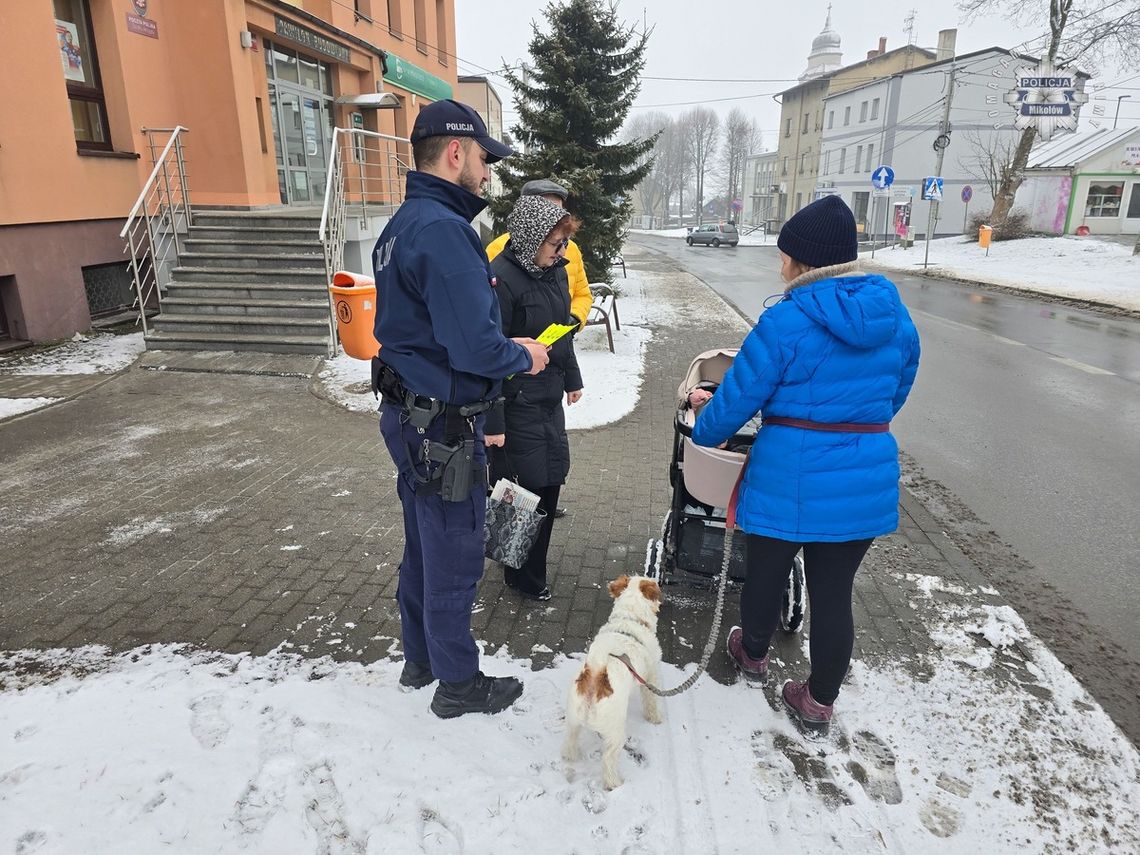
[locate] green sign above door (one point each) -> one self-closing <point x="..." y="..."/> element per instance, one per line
<point x="413" y="78"/>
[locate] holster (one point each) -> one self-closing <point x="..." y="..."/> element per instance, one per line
<point x="451" y="467"/>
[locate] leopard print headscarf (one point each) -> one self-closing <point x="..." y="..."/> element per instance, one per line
<point x="530" y="223"/>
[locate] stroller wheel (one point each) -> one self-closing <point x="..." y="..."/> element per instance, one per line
<point x="792" y="608"/>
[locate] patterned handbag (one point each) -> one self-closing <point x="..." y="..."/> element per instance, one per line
<point x="510" y="532"/>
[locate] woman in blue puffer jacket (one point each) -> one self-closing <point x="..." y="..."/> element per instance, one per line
<point x="828" y="367"/>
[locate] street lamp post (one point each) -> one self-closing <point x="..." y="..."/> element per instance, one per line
<point x="1119" y="98"/>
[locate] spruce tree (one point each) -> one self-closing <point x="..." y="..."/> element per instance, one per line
<point x="572" y="101"/>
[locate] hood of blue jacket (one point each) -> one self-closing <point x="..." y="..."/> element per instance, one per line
<point x="862" y="310"/>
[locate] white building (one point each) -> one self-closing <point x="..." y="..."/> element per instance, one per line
<point x="895" y="122"/>
<point x="1087" y="180"/>
<point x="761" y="189"/>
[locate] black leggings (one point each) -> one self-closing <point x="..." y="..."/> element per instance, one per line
<point x="532" y="575"/>
<point x="830" y="571"/>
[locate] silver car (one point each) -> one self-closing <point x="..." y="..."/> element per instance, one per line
<point x="714" y="235"/>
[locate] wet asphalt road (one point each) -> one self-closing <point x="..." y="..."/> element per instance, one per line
<point x="1028" y="411"/>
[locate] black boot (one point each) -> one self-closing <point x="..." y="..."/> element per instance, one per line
<point x="480" y="694"/>
<point x="416" y="675"/>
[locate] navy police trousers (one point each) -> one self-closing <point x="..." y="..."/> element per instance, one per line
<point x="443" y="556"/>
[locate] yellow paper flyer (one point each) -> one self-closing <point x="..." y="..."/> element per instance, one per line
<point x="553" y="332"/>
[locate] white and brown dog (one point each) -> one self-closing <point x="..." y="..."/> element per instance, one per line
<point x="599" y="697"/>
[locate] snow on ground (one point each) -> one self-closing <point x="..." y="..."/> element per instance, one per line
<point x="99" y="353"/>
<point x="164" y="748"/>
<point x="1082" y="267"/>
<point x="16" y="406"/>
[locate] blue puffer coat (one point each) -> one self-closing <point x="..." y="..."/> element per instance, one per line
<point x="841" y="349"/>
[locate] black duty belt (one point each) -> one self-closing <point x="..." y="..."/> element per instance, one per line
<point x="451" y="467"/>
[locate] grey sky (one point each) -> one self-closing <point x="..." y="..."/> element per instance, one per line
<point x="753" y="40"/>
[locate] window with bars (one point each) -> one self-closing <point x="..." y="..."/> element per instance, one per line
<point x="80" y="63"/>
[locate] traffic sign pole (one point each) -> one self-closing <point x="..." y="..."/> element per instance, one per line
<point x="881" y="179"/>
<point x="941" y="149"/>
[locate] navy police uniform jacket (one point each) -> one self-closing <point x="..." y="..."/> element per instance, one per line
<point x="437" y="317"/>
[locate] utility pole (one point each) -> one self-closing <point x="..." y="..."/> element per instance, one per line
<point x="940" y="144"/>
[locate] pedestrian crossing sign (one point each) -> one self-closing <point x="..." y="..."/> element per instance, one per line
<point x="932" y="189"/>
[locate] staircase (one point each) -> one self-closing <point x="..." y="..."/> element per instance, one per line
<point x="247" y="281"/>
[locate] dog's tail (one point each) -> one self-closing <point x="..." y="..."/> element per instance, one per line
<point x="593" y="684"/>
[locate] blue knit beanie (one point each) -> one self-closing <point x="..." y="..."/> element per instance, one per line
<point x="821" y="234"/>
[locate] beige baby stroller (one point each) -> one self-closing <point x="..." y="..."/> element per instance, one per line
<point x="692" y="539"/>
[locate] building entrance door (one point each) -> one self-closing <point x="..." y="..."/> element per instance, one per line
<point x="302" y="132"/>
<point x="301" y="108"/>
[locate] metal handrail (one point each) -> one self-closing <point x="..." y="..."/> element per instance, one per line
<point x="161" y="211"/>
<point x="372" y="180"/>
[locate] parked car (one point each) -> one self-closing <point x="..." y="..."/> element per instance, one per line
<point x="714" y="235"/>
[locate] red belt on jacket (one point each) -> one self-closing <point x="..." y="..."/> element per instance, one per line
<point x="832" y="427"/>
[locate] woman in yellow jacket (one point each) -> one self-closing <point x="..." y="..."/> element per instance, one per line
<point x="580" y="296"/>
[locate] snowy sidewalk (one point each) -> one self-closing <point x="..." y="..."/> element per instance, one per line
<point x="242" y="517"/>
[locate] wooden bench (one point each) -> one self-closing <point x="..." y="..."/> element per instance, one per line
<point x="602" y="309"/>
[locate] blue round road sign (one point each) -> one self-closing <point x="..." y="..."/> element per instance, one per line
<point x="967" y="193"/>
<point x="882" y="178"/>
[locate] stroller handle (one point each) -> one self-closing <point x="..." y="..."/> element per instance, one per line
<point x="681" y="425"/>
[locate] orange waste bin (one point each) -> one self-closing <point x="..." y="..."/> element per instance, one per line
<point x="985" y="235"/>
<point x="354" y="298"/>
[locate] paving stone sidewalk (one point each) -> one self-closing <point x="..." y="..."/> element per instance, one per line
<point x="240" y="512"/>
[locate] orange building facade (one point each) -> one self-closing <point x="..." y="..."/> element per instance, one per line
<point x="259" y="84"/>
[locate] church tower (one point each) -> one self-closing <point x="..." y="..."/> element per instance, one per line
<point x="826" y="53"/>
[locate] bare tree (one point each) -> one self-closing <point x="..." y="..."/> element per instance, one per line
<point x="741" y="138"/>
<point x="645" y="126"/>
<point x="1079" y="32"/>
<point x="990" y="158"/>
<point x="700" y="129"/>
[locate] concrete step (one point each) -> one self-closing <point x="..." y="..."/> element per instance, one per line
<point x="318" y="345"/>
<point x="257" y="219"/>
<point x="292" y="261"/>
<point x="247" y="289"/>
<point x="264" y="308"/>
<point x="271" y="275"/>
<point x="229" y="325"/>
<point x="253" y="233"/>
<point x="212" y="246"/>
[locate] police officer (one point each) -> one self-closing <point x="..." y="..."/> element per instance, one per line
<point x="443" y="360"/>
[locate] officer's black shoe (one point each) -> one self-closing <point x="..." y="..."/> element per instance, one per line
<point x="559" y="513"/>
<point x="480" y="694"/>
<point x="416" y="675"/>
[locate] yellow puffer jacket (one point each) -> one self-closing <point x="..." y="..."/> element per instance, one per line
<point x="580" y="296"/>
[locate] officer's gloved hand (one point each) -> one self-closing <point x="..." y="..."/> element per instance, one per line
<point x="577" y="322"/>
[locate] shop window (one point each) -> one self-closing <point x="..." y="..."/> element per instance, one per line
<point x="81" y="72"/>
<point x="1104" y="200"/>
<point x="441" y="31"/>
